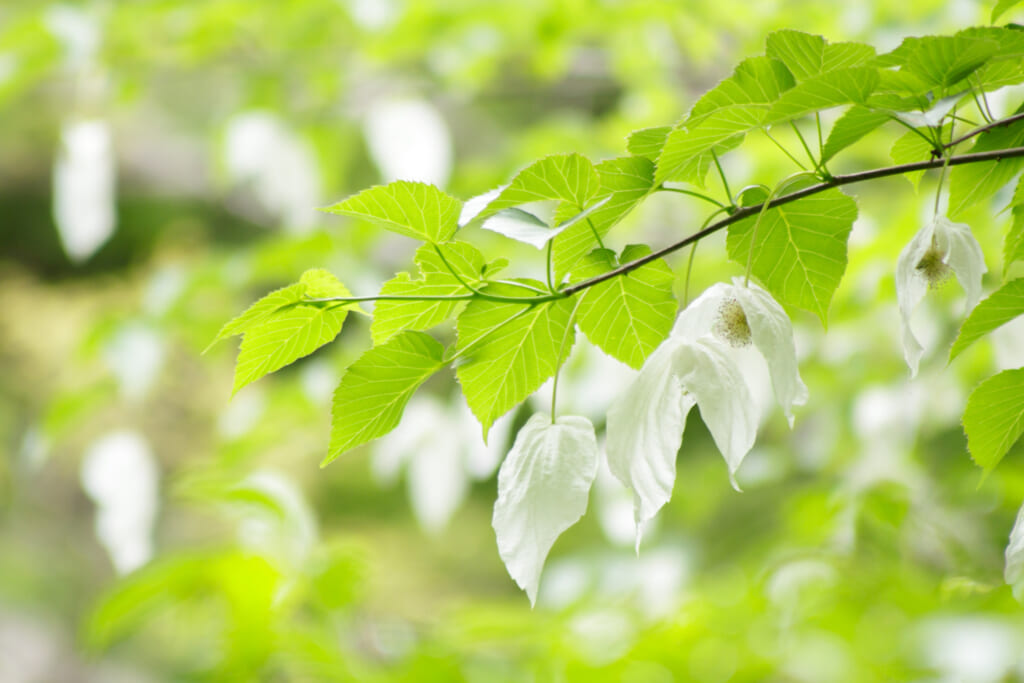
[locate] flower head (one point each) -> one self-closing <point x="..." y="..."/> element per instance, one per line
<point x="740" y="315"/>
<point x="939" y="250"/>
<point x="698" y="365"/>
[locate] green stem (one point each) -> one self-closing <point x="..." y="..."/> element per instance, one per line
<point x="689" y="269"/>
<point x="451" y="270"/>
<point x="821" y="144"/>
<point x="833" y="182"/>
<point x="984" y="129"/>
<point x="938" y="190"/>
<point x="693" y="253"/>
<point x="764" y="209"/>
<point x="725" y="181"/>
<point x="784" y="150"/>
<point x="803" y="142"/>
<point x="547" y="268"/>
<point x="931" y="143"/>
<point x="597" y="235"/>
<point x="698" y="195"/>
<point x="522" y="285"/>
<point x="561" y="356"/>
<point x="471" y="345"/>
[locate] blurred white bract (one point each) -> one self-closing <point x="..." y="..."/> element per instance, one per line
<point x="262" y="152"/>
<point x="84" y="196"/>
<point x="409" y="140"/>
<point x="120" y="474"/>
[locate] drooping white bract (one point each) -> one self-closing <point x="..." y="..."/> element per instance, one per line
<point x="645" y="427"/>
<point x="543" y="487"/>
<point x="938" y="250"/>
<point x="741" y="314"/>
<point x="1014" y="570"/>
<point x="698" y="365"/>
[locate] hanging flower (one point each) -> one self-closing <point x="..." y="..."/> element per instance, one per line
<point x="940" y="250"/>
<point x="698" y="365"/>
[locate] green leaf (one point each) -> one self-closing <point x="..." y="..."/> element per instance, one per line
<point x="412" y="209"/>
<point x="1002" y="7"/>
<point x="1004" y="305"/>
<point x="942" y="61"/>
<point x="994" y="418"/>
<point x="721" y="117"/>
<point x="376" y="388"/>
<point x="1013" y="246"/>
<point x="912" y="147"/>
<point x="293" y="330"/>
<point x="391" y="317"/>
<point x="647" y="142"/>
<point x="757" y="80"/>
<point x="687" y="152"/>
<point x="846" y="86"/>
<point x="260" y="311"/>
<point x="1009" y="40"/>
<point x="508" y="350"/>
<point x="563" y="177"/>
<point x="807" y="55"/>
<point x="630" y="315"/>
<point x="972" y="183"/>
<point x="626" y="181"/>
<point x="852" y="126"/>
<point x="799" y="249"/>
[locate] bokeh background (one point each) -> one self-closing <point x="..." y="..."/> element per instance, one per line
<point x="160" y="166"/>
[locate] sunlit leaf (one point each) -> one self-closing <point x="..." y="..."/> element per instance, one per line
<point x="1013" y="245"/>
<point x="413" y="209"/>
<point x="807" y="55"/>
<point x="733" y="107"/>
<point x="910" y="148"/>
<point x="799" y="249"/>
<point x="647" y="142"/>
<point x="626" y="182"/>
<point x="563" y="177"/>
<point x="851" y="127"/>
<point x="1002" y="7"/>
<point x="291" y="331"/>
<point x="507" y="350"/>
<point x="972" y="183"/>
<point x="944" y="60"/>
<point x="260" y="310"/>
<point x="1001" y="307"/>
<point x="372" y="395"/>
<point x="994" y="418"/>
<point x="627" y="316"/>
<point x="391" y="317"/>
<point x="847" y="86"/>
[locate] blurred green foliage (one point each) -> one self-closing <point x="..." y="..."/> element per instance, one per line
<point x="863" y="547"/>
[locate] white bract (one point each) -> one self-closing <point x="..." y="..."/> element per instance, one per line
<point x="543" y="487"/>
<point x="939" y="250"/>
<point x="1014" y="570"/>
<point x="699" y="365"/>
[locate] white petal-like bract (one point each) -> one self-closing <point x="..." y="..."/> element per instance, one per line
<point x="772" y="334"/>
<point x="726" y="406"/>
<point x="645" y="429"/>
<point x="700" y="364"/>
<point x="938" y="246"/>
<point x="543" y="487"/>
<point x="1014" y="571"/>
<point x="964" y="256"/>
